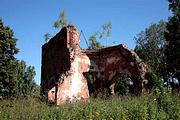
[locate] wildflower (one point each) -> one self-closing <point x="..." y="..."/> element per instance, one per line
<point x="111" y="118"/>
<point x="124" y="118"/>
<point x="96" y="113"/>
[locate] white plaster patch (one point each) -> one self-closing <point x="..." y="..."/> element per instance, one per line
<point x="131" y="63"/>
<point x="74" y="84"/>
<point x="85" y="60"/>
<point x="76" y="80"/>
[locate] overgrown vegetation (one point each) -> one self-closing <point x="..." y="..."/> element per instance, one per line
<point x="124" y="108"/>
<point x="123" y="85"/>
<point x="158" y="45"/>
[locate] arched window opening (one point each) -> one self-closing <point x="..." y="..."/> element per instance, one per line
<point x="123" y="84"/>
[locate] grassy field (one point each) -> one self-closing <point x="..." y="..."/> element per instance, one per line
<point x="114" y="108"/>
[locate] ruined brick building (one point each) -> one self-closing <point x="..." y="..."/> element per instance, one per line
<point x="64" y="66"/>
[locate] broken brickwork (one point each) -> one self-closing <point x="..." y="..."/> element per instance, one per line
<point x="64" y="65"/>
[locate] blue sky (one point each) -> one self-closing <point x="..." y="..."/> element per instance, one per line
<point x="31" y="19"/>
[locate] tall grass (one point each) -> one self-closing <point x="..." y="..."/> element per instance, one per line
<point x="113" y="108"/>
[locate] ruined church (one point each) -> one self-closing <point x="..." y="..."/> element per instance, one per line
<point x="65" y="65"/>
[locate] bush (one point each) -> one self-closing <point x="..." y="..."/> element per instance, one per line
<point x="154" y="82"/>
<point x="122" y="84"/>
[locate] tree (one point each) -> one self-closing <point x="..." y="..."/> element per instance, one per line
<point x="62" y="21"/>
<point x="154" y="82"/>
<point x="25" y="80"/>
<point x="16" y="79"/>
<point x="93" y="43"/>
<point x="7" y="61"/>
<point x="105" y="32"/>
<point x="150" y="46"/>
<point x="58" y="24"/>
<point x="172" y="37"/>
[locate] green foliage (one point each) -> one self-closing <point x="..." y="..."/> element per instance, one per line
<point x="58" y="24"/>
<point x="122" y="84"/>
<point x="25" y="80"/>
<point x="89" y="78"/>
<point x="166" y="102"/>
<point x="174" y="6"/>
<point x="159" y="45"/>
<point x="121" y="108"/>
<point x="150" y="47"/>
<point x="172" y="36"/>
<point x="62" y="21"/>
<point x="47" y="37"/>
<point x="154" y="82"/>
<point x="93" y="43"/>
<point x="16" y="79"/>
<point x="105" y="32"/>
<point x="7" y="61"/>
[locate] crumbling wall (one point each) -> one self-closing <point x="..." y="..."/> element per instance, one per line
<point x="61" y="74"/>
<point x="64" y="65"/>
<point x="109" y="63"/>
<point x="53" y="64"/>
<point x="72" y="85"/>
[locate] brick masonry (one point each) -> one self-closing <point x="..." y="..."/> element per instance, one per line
<point x="64" y="66"/>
